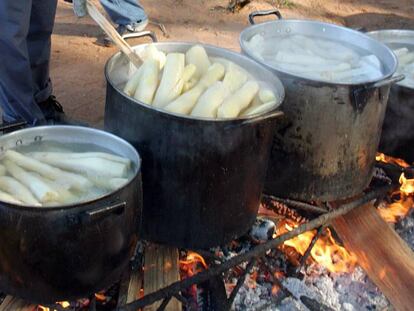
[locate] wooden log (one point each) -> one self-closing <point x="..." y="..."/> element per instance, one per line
<point x="11" y="303"/>
<point x="130" y="287"/>
<point x="135" y="285"/>
<point x="385" y="257"/>
<point x="161" y="269"/>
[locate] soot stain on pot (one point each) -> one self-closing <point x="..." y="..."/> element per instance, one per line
<point x="360" y="95"/>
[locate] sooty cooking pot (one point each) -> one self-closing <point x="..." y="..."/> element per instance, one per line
<point x="202" y="178"/>
<point x="50" y="254"/>
<point x="324" y="148"/>
<point x="397" y="137"/>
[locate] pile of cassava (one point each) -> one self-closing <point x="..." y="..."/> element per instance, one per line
<point x="197" y="85"/>
<point x="316" y="58"/>
<point x="60" y="178"/>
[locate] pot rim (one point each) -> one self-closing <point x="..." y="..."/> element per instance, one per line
<point x="323" y="24"/>
<point x="375" y="34"/>
<point x="392" y="31"/>
<point x="80" y="205"/>
<point x="252" y="117"/>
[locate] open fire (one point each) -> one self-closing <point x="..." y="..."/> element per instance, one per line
<point x="327" y="253"/>
<point x="398" y="209"/>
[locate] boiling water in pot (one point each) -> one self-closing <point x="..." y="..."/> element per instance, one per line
<point x="195" y="84"/>
<point x="405" y="56"/>
<point x="316" y="58"/>
<point x="49" y="173"/>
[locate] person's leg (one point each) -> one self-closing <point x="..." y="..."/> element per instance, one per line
<point x="125" y="12"/>
<point x="16" y="87"/>
<point x="39" y="44"/>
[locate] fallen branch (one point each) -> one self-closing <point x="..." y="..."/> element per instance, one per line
<point x="297" y="204"/>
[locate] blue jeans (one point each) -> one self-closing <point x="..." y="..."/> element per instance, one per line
<point x="25" y="38"/>
<point x="123" y="12"/>
<point x="25" y="30"/>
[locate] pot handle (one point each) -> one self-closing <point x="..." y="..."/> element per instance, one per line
<point x="102" y="212"/>
<point x="361" y="94"/>
<point x="263" y="13"/>
<point x="391" y="80"/>
<point x="12" y="126"/>
<point x="259" y="118"/>
<point x="141" y="34"/>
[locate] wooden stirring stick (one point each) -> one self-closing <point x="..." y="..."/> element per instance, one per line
<point x="113" y="34"/>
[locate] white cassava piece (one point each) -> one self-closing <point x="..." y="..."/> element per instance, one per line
<point x="197" y="85"/>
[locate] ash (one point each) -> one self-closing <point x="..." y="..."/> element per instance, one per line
<point x="316" y="288"/>
<point x="405" y="228"/>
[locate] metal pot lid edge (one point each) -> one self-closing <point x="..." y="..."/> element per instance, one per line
<point x="280" y="93"/>
<point x="338" y="27"/>
<point x="82" y="203"/>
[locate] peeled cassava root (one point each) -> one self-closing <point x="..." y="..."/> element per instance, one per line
<point x="315" y="58"/>
<point x="17" y="190"/>
<point x="56" y="178"/>
<point x="171" y="83"/>
<point x="197" y="85"/>
<point x="405" y="65"/>
<point x="74" y="181"/>
<point x="42" y="191"/>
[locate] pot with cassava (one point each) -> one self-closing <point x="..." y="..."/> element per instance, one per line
<point x="204" y="133"/>
<point x="397" y="137"/>
<point x="337" y="83"/>
<point x="70" y="211"/>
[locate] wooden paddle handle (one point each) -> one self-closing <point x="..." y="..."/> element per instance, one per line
<point x="385" y="257"/>
<point x="112" y="33"/>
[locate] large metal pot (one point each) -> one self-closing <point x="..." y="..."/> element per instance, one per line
<point x="62" y="253"/>
<point x="325" y="148"/>
<point x="202" y="178"/>
<point x="397" y="137"/>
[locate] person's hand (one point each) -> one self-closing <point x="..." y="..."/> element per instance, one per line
<point x="79" y="7"/>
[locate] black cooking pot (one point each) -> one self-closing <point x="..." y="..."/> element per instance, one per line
<point x="202" y="178"/>
<point x="325" y="147"/>
<point x="397" y="137"/>
<point x="60" y="253"/>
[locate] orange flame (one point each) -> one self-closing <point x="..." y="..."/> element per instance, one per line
<point x="64" y="304"/>
<point x="399" y="209"/>
<point x="192" y="259"/>
<point x="100" y="297"/>
<point x="336" y="258"/>
<point x="387" y="159"/>
<point x="325" y="252"/>
<point x="407" y="185"/>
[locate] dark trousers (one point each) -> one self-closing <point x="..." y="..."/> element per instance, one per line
<point x="25" y="39"/>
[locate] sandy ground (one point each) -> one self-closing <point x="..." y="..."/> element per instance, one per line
<point x="78" y="57"/>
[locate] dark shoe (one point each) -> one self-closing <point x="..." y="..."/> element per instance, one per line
<point x="54" y="114"/>
<point x="128" y="31"/>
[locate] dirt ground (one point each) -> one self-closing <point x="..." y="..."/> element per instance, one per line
<point x="78" y="57"/>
